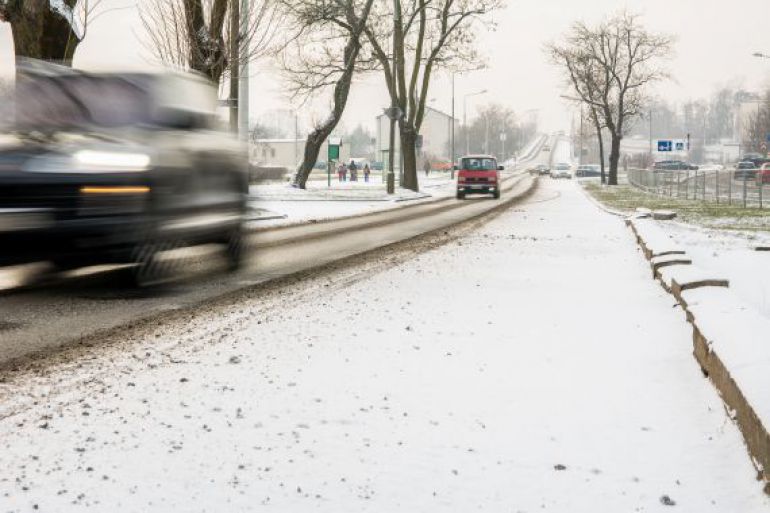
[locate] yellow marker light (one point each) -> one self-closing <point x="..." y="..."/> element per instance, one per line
<point x="128" y="189"/>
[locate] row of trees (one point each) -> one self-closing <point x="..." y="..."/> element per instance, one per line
<point x="608" y="69"/>
<point x="483" y="134"/>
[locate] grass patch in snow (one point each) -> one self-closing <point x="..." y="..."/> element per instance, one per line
<point x="627" y="198"/>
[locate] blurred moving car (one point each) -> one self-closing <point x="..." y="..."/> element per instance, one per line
<point x="478" y="174"/>
<point x="561" y="170"/>
<point x="542" y="169"/>
<point x="745" y="170"/>
<point x="673" y="165"/>
<point x="588" y="170"/>
<point x="117" y="168"/>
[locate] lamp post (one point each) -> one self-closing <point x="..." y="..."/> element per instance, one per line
<point x="465" y="117"/>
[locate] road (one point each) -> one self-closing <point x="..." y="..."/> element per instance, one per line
<point x="83" y="308"/>
<point x="525" y="364"/>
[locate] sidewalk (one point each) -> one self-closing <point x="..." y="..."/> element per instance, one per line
<point x="532" y="365"/>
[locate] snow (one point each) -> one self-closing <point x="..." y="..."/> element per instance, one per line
<point x="728" y="255"/>
<point x="530" y="365"/>
<point x="739" y="336"/>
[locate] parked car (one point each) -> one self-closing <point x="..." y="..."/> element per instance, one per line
<point x="478" y="174"/>
<point x="588" y="170"/>
<point x="674" y="165"/>
<point x="755" y="158"/>
<point x="377" y="166"/>
<point x="546" y="148"/>
<point x="561" y="170"/>
<point x="116" y="168"/>
<point x="542" y="169"/>
<point x="745" y="170"/>
<point x="441" y="165"/>
<point x="763" y="174"/>
<point x="320" y="165"/>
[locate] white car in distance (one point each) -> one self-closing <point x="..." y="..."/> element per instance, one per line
<point x="561" y="170"/>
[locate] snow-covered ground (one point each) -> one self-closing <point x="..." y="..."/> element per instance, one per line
<point x="530" y="366"/>
<point x="729" y="255"/>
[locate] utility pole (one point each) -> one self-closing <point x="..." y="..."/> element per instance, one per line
<point x="243" y="83"/>
<point x="235" y="23"/>
<point x="452" y="158"/>
<point x="393" y="114"/>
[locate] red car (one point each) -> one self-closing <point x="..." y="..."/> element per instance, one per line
<point x="478" y="174"/>
<point x="763" y="174"/>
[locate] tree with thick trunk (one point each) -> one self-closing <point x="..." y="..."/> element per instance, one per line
<point x="49" y="30"/>
<point x="426" y="35"/>
<point x="195" y="35"/>
<point x="610" y="66"/>
<point x="319" y="29"/>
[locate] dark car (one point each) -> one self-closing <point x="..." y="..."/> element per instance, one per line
<point x="755" y="158"/>
<point x="745" y="170"/>
<point x="376" y="166"/>
<point x="109" y="168"/>
<point x="588" y="170"/>
<point x="674" y="165"/>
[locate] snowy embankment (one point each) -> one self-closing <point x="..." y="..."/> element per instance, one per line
<point x="730" y="337"/>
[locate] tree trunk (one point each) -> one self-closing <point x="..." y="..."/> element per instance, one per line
<point x="614" y="158"/>
<point x="40" y="33"/>
<point x="601" y="154"/>
<point x="409" y="157"/>
<point x="313" y="145"/>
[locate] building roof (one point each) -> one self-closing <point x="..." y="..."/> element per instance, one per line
<point x="429" y="108"/>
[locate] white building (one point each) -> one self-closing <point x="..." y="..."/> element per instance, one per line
<point x="436" y="137"/>
<point x="286" y="153"/>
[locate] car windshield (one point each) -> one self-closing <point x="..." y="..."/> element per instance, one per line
<point x="479" y="164"/>
<point x="80" y="101"/>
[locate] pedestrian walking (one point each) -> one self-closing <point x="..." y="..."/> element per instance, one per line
<point x="353" y="171"/>
<point x="367" y="172"/>
<point x="339" y="173"/>
<point x="426" y="167"/>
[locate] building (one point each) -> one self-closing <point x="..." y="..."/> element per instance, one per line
<point x="436" y="133"/>
<point x="286" y="153"/>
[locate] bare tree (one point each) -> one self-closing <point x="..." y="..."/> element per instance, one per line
<point x="588" y="81"/>
<point x="426" y="35"/>
<point x="326" y="39"/>
<point x="621" y="60"/>
<point x="50" y="30"/>
<point x="194" y="34"/>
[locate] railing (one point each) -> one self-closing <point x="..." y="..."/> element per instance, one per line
<point x="740" y="187"/>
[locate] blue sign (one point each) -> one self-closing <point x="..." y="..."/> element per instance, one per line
<point x="767" y="138"/>
<point x="665" y="145"/>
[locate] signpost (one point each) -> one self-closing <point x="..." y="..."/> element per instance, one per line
<point x="333" y="155"/>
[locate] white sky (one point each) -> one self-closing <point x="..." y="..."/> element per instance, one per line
<point x="714" y="47"/>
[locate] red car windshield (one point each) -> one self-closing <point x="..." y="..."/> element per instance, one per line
<point x="479" y="164"/>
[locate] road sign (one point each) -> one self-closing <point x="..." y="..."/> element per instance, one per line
<point x="394" y="113"/>
<point x="767" y="138"/>
<point x="665" y="145"/>
<point x="334" y="148"/>
<point x="503" y="136"/>
<point x="679" y="146"/>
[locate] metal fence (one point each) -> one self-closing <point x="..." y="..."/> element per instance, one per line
<point x="741" y="187"/>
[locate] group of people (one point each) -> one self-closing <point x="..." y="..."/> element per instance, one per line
<point x="342" y="172"/>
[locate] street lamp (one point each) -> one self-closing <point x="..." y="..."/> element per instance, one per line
<point x="760" y="55"/>
<point x="465" y="117"/>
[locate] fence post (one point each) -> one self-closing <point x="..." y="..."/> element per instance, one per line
<point x="716" y="182"/>
<point x="744" y="190"/>
<point x="730" y="187"/>
<point x="704" y="186"/>
<point x="761" y="186"/>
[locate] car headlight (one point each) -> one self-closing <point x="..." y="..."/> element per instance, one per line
<point x="112" y="161"/>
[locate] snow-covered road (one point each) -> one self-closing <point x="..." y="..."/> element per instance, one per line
<point x="530" y="366"/>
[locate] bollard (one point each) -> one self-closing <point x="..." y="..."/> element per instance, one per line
<point x="716" y="182"/>
<point x="744" y="189"/>
<point x="730" y="188"/>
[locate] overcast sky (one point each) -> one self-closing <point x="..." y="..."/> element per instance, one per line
<point x="715" y="40"/>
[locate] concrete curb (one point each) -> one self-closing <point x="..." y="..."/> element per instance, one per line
<point x="756" y="434"/>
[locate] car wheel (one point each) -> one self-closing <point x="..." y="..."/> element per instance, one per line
<point x="496" y="194"/>
<point x="149" y="268"/>
<point x="235" y="249"/>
